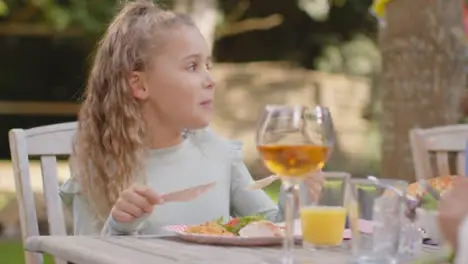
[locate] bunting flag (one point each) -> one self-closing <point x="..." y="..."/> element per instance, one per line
<point x="378" y="10"/>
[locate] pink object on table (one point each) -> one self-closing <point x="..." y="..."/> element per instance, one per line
<point x="365" y="227"/>
<point x="177" y="228"/>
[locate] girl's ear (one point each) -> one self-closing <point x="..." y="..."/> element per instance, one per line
<point x="138" y="86"/>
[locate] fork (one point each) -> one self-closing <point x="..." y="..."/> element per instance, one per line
<point x="260" y="184"/>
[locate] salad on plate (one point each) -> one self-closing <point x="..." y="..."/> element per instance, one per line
<point x="247" y="226"/>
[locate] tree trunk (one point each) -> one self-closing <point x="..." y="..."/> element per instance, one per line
<point x="422" y="46"/>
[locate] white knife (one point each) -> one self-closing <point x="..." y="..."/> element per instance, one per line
<point x="188" y="194"/>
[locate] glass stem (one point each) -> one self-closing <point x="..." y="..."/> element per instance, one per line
<point x="288" y="244"/>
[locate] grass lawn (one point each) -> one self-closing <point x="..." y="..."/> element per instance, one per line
<point x="273" y="190"/>
<point x="11" y="252"/>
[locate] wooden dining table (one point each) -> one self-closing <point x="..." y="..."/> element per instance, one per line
<point x="135" y="250"/>
<point x="142" y="250"/>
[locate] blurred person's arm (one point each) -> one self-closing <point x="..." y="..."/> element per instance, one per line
<point x="453" y="219"/>
<point x="462" y="243"/>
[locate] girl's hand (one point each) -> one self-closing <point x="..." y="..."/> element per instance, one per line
<point x="314" y="183"/>
<point x="135" y="202"/>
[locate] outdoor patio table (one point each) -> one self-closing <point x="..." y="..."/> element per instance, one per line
<point x="132" y="250"/>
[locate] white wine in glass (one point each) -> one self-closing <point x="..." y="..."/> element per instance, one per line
<point x="293" y="142"/>
<point x="294" y="160"/>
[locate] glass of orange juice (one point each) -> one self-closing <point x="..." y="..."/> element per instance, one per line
<point x="323" y="220"/>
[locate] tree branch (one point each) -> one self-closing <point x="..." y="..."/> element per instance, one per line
<point x="239" y="11"/>
<point x="24" y="29"/>
<point x="249" y="24"/>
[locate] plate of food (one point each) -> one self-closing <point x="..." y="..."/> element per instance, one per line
<point x="245" y="231"/>
<point x="241" y="231"/>
<point x="427" y="210"/>
<point x="441" y="184"/>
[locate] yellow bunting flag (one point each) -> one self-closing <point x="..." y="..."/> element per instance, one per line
<point x="378" y="8"/>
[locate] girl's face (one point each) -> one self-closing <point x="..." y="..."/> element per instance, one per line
<point x="178" y="88"/>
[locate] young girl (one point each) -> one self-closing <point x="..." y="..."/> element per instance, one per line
<point x="150" y="81"/>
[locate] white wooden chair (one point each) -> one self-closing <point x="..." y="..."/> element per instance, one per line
<point x="45" y="142"/>
<point x="438" y="142"/>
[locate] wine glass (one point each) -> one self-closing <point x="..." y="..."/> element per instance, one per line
<point x="294" y="141"/>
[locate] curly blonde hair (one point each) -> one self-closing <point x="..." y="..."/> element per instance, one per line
<point x="109" y="147"/>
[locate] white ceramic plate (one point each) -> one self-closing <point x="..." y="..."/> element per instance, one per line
<point x="251" y="241"/>
<point x="224" y="240"/>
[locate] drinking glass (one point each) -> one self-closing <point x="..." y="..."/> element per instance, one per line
<point x="323" y="220"/>
<point x="294" y="141"/>
<point x="375" y="216"/>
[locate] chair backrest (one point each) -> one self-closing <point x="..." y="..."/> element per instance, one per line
<point x="438" y="142"/>
<point x="45" y="142"/>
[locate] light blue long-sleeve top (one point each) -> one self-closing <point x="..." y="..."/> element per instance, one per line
<point x="203" y="157"/>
